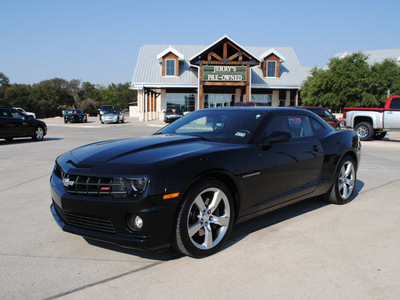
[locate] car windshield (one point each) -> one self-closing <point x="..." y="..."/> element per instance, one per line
<point x="74" y="111"/>
<point x="219" y="125"/>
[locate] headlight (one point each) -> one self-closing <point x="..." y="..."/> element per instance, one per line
<point x="122" y="187"/>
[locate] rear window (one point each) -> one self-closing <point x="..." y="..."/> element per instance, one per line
<point x="395" y="103"/>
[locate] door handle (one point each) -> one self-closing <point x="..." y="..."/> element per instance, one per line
<point x="315" y="148"/>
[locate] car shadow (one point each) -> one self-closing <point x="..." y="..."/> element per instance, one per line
<point x="242" y="230"/>
<point x="239" y="232"/>
<point x="162" y="255"/>
<point x="27" y="140"/>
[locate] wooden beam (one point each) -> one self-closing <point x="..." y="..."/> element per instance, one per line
<point x="217" y="56"/>
<point x="225" y="50"/>
<point x="233" y="56"/>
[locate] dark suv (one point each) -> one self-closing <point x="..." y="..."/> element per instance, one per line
<point x="325" y="114"/>
<point x="16" y="124"/>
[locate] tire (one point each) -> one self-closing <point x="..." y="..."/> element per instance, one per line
<point x="65" y="121"/>
<point x="122" y="121"/>
<point x="205" y="219"/>
<point x="344" y="183"/>
<point x="39" y="134"/>
<point x="364" y="131"/>
<point x="379" y="135"/>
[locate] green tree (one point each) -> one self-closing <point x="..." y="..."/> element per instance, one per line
<point x="52" y="94"/>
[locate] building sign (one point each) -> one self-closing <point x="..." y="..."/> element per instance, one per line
<point x="224" y="73"/>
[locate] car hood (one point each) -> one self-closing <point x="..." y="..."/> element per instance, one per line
<point x="142" y="151"/>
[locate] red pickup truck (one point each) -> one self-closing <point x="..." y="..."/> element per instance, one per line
<point x="373" y="123"/>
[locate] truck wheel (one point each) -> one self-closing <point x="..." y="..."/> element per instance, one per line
<point x="364" y="131"/>
<point x="379" y="135"/>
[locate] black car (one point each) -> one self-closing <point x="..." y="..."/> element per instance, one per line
<point x="172" y="115"/>
<point x="187" y="184"/>
<point x="15" y="124"/>
<point x="75" y="115"/>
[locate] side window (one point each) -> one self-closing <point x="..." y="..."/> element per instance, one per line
<point x="395" y="103"/>
<point x="4" y="113"/>
<point x="315" y="125"/>
<point x="16" y="114"/>
<point x="299" y="127"/>
<point x="170" y="67"/>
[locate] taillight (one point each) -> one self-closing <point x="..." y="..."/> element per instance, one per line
<point x="344" y="114"/>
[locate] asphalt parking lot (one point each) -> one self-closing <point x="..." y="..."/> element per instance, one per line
<point x="310" y="250"/>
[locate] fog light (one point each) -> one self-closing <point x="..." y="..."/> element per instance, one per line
<point x="135" y="223"/>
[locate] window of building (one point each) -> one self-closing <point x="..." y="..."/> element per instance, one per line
<point x="184" y="102"/>
<point x="282" y="97"/>
<point x="170" y="67"/>
<point x="271" y="68"/>
<point x="293" y="97"/>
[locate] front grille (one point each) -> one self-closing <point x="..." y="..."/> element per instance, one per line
<point x="91" y="185"/>
<point x="84" y="221"/>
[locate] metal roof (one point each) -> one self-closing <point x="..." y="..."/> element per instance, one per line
<point x="148" y="71"/>
<point x="375" y="56"/>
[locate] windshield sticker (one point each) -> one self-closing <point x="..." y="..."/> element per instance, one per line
<point x="240" y="134"/>
<point x="257" y="117"/>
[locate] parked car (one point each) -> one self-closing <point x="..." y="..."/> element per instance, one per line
<point x="21" y="110"/>
<point x="325" y="114"/>
<point x="374" y="123"/>
<point x="75" y="115"/>
<point x="172" y="115"/>
<point x="250" y="103"/>
<point x="105" y="108"/>
<point x="112" y="116"/>
<point x="187" y="184"/>
<point x="14" y="124"/>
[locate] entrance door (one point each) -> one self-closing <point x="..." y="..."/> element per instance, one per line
<point x="218" y="100"/>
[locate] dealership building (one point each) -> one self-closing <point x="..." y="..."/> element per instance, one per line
<point x="191" y="77"/>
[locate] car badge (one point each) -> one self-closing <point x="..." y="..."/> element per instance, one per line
<point x="67" y="182"/>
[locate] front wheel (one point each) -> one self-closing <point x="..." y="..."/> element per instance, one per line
<point x="344" y="183"/>
<point x="364" y="131"/>
<point x="205" y="219"/>
<point x="39" y="134"/>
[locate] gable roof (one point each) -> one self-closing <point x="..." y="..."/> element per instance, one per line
<point x="272" y="51"/>
<point x="207" y="49"/>
<point x="172" y="50"/>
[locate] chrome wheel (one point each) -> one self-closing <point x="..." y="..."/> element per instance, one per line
<point x="205" y="218"/>
<point x="209" y="218"/>
<point x="39" y="134"/>
<point x="363" y="131"/>
<point x="346" y="180"/>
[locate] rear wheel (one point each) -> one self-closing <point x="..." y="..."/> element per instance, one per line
<point x="205" y="219"/>
<point x="379" y="135"/>
<point x="344" y="183"/>
<point x="39" y="134"/>
<point x="364" y="131"/>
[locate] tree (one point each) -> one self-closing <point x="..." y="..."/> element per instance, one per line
<point x="351" y="81"/>
<point x="52" y="94"/>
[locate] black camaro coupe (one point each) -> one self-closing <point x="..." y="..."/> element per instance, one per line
<point x="75" y="115"/>
<point x="188" y="184"/>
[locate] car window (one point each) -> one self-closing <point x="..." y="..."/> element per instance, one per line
<point x="5" y="113"/>
<point x="297" y="125"/>
<point x="395" y="103"/>
<point x="16" y="114"/>
<point x="230" y="126"/>
<point x="315" y="125"/>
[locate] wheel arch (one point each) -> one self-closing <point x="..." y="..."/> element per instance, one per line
<point x="360" y="119"/>
<point x="219" y="175"/>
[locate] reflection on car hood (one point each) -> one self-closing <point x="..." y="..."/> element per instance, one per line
<point x="141" y="151"/>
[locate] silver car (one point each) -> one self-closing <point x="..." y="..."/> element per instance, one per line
<point x="112" y="116"/>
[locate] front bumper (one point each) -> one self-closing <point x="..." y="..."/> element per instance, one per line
<point x="78" y="119"/>
<point x="104" y="218"/>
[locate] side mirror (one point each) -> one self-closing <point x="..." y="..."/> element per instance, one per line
<point x="276" y="137"/>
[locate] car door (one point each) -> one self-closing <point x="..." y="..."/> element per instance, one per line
<point x="22" y="125"/>
<point x="6" y="123"/>
<point x="290" y="169"/>
<point x="391" y="117"/>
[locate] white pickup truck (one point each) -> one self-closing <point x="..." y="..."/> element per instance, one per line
<point x="373" y="123"/>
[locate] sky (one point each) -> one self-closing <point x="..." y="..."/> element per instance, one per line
<point x="99" y="41"/>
